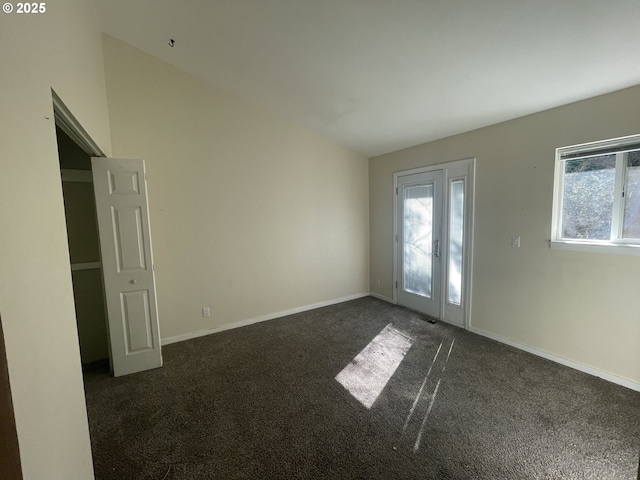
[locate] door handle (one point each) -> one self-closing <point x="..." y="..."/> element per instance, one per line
<point x="133" y="282"/>
<point x="436" y="248"/>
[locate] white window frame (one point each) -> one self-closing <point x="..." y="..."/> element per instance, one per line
<point x="616" y="244"/>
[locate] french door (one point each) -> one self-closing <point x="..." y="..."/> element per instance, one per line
<point x="419" y="250"/>
<point x="433" y="240"/>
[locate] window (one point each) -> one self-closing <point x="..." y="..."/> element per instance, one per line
<point x="596" y="203"/>
<point x="456" y="241"/>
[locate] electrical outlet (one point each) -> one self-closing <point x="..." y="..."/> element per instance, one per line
<point x="377" y="281"/>
<point x="206" y="312"/>
<point x="515" y="242"/>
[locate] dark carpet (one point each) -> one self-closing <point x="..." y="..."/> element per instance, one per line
<point x="262" y="402"/>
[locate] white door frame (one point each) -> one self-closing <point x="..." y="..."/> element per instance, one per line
<point x="70" y="125"/>
<point x="452" y="170"/>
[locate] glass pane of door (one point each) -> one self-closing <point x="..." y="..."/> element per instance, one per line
<point x="456" y="222"/>
<point x="418" y="239"/>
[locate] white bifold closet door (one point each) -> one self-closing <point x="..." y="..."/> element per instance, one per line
<point x="127" y="261"/>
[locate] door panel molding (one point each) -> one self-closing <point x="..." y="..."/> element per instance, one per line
<point x="135" y="306"/>
<point x="122" y="208"/>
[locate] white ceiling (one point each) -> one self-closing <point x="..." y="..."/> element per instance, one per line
<point x="381" y="75"/>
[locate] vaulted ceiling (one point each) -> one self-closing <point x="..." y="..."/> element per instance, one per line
<point x="381" y="75"/>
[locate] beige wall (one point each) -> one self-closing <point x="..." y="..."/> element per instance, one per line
<point x="60" y="49"/>
<point x="250" y="215"/>
<point x="581" y="306"/>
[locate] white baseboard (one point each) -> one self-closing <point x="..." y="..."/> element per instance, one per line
<point x="381" y="297"/>
<point x="261" y="318"/>
<point x="564" y="361"/>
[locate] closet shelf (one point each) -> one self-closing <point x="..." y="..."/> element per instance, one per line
<point x="85" y="266"/>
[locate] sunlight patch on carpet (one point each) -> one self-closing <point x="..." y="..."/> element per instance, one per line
<point x="368" y="373"/>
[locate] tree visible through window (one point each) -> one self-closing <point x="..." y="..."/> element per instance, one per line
<point x="597" y="198"/>
<point x="589" y="185"/>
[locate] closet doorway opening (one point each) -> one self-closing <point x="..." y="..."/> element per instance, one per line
<point x="84" y="252"/>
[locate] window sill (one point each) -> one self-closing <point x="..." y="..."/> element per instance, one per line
<point x="595" y="247"/>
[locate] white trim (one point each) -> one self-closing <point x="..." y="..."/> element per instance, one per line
<point x="382" y="297"/>
<point x="557" y="200"/>
<point x="601" y="144"/>
<point x="65" y="120"/>
<point x="578" y="246"/>
<point x="561" y="360"/>
<point x="438" y="166"/>
<point x="617" y="215"/>
<point x="471" y="239"/>
<point x="85" y="266"/>
<point x="261" y="318"/>
<point x="71" y="175"/>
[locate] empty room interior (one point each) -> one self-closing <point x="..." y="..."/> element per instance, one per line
<point x="320" y="239"/>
